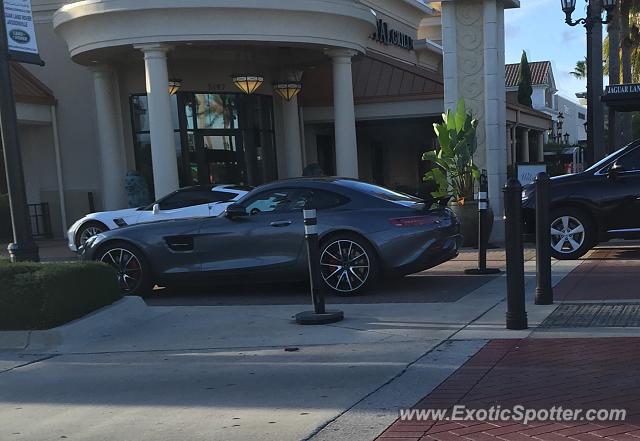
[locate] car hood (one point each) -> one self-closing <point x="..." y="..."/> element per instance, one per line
<point x="112" y="214"/>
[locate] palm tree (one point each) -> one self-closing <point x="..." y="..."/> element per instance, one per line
<point x="580" y="71"/>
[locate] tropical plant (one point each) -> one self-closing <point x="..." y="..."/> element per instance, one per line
<point x="580" y="71"/>
<point x="525" y="89"/>
<point x="454" y="172"/>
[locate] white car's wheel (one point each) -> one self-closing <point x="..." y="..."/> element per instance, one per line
<point x="88" y="230"/>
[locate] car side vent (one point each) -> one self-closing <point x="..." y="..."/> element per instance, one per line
<point x="180" y="243"/>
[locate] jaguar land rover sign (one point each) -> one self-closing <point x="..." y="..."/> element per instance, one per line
<point x="21" y="34"/>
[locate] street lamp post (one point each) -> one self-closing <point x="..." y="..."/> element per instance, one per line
<point x="593" y="23"/>
<point x="23" y="246"/>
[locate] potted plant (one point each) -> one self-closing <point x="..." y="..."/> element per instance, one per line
<point x="454" y="172"/>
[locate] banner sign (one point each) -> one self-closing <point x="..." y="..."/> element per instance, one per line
<point x="21" y="34"/>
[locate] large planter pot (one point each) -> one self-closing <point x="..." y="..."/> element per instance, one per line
<point x="468" y="216"/>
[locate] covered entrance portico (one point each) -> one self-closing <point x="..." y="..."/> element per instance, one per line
<point x="130" y="50"/>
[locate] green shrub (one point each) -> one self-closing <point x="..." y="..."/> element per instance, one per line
<point x="42" y="296"/>
<point x="6" y="232"/>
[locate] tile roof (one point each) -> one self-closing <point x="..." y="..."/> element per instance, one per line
<point x="539" y="73"/>
<point x="28" y="89"/>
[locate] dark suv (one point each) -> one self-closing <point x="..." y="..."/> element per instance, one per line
<point x="599" y="204"/>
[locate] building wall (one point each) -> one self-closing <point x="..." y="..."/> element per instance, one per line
<point x="72" y="85"/>
<point x="573" y="123"/>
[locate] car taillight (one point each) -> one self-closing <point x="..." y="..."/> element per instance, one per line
<point x="413" y="221"/>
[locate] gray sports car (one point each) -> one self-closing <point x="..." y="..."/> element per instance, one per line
<point x="366" y="232"/>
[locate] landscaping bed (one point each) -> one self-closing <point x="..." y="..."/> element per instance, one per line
<point x="46" y="295"/>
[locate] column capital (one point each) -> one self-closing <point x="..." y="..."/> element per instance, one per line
<point x="101" y="69"/>
<point x="341" y="55"/>
<point x="154" y="50"/>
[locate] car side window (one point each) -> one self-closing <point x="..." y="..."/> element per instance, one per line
<point x="186" y="198"/>
<point x="631" y="161"/>
<point x="275" y="201"/>
<point x="323" y="200"/>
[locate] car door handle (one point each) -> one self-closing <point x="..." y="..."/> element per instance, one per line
<point x="280" y="224"/>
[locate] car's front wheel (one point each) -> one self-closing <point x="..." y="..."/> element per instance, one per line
<point x="348" y="264"/>
<point x="132" y="268"/>
<point x="88" y="230"/>
<point x="572" y="233"/>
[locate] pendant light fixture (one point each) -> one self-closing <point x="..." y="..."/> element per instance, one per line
<point x="287" y="90"/>
<point x="175" y="85"/>
<point x="247" y="83"/>
<point x="291" y="83"/>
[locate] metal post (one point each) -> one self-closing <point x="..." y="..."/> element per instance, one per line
<point x="23" y="247"/>
<point x="516" y="313"/>
<point x="544" y="291"/>
<point x="595" y="82"/>
<point x="319" y="316"/>
<point x="483" y="233"/>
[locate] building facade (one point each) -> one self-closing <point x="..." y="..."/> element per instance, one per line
<point x="375" y="76"/>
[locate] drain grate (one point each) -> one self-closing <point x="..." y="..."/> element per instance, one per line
<point x="594" y="315"/>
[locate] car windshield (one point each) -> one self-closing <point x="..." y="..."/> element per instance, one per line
<point x="604" y="161"/>
<point x="381" y="192"/>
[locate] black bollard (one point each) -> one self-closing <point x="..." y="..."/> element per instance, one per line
<point x="544" y="291"/>
<point x="319" y="315"/>
<point x="516" y="313"/>
<point x="483" y="234"/>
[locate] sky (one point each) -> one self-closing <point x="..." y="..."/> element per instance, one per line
<point x="539" y="28"/>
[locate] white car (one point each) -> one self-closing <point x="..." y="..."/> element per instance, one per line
<point x="198" y="201"/>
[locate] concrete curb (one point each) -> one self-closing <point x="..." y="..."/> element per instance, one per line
<point x="92" y="325"/>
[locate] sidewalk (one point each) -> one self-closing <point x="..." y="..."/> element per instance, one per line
<point x="539" y="374"/>
<point x="543" y="371"/>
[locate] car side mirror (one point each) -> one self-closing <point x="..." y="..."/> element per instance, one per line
<point x="235" y="210"/>
<point x="156" y="208"/>
<point x="614" y="171"/>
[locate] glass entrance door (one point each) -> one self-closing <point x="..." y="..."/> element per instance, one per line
<point x="218" y="157"/>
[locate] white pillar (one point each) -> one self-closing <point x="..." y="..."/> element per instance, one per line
<point x="344" y="113"/>
<point x="110" y="140"/>
<point x="524" y="152"/>
<point x="540" y="146"/>
<point x="292" y="138"/>
<point x="163" y="145"/>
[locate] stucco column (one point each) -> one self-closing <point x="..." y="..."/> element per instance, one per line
<point x="163" y="145"/>
<point x="540" y="146"/>
<point x="524" y="152"/>
<point x="292" y="139"/>
<point x="473" y="57"/>
<point x="112" y="158"/>
<point x="344" y="113"/>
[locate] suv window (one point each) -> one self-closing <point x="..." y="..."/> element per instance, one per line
<point x="630" y="161"/>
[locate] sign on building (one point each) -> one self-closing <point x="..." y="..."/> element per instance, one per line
<point x="21" y="34"/>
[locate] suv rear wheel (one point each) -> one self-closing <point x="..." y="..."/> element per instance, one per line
<point x="572" y="233"/>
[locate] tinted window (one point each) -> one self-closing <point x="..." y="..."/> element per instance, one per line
<point x="630" y="161"/>
<point x="275" y="201"/>
<point x="322" y="200"/>
<point x="191" y="197"/>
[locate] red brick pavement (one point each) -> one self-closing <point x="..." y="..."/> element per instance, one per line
<point x="607" y="274"/>
<point x="539" y="374"/>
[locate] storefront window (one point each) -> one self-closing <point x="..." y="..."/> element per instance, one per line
<point x="220" y="138"/>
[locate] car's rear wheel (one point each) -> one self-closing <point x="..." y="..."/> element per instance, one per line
<point x="132" y="268"/>
<point x="348" y="264"/>
<point x="572" y="233"/>
<point x="88" y="230"/>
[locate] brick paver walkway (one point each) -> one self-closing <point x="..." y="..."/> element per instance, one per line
<point x="607" y="274"/>
<point x="539" y="374"/>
